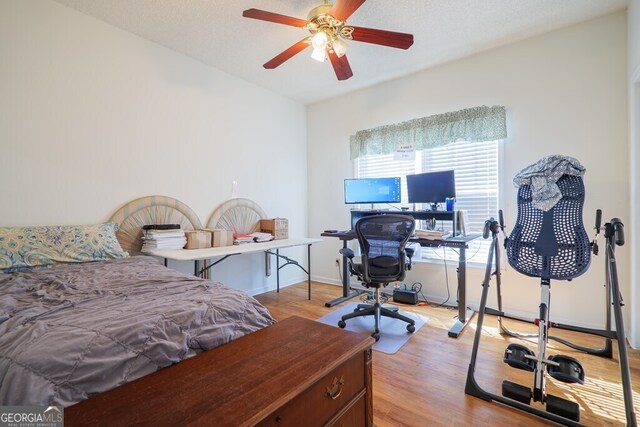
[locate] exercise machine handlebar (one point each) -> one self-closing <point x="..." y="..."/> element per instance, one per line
<point x="618" y="231"/>
<point x="490" y="226"/>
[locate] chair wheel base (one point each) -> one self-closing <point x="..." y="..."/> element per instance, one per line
<point x="562" y="407"/>
<point x="516" y="392"/>
<point x="342" y="323"/>
<point x="411" y="328"/>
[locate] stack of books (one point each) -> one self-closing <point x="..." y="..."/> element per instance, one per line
<point x="167" y="238"/>
<point x="241" y="239"/>
<point x="261" y="237"/>
<point x="432" y="234"/>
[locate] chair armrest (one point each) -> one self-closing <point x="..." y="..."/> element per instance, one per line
<point x="410" y="252"/>
<point x="354" y="269"/>
<point x="348" y="252"/>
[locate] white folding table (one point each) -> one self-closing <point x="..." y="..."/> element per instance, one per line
<point x="224" y="252"/>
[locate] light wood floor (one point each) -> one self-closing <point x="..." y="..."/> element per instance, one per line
<point x="423" y="383"/>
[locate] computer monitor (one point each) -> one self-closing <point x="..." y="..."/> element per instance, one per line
<point x="372" y="190"/>
<point x="431" y="187"/>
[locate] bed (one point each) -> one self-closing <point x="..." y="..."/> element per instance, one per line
<point x="79" y="316"/>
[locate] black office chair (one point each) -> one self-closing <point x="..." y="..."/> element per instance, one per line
<point x="382" y="241"/>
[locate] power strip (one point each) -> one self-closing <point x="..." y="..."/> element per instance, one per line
<point x="405" y="296"/>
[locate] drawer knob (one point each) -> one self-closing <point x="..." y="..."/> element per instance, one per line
<point x="336" y="388"/>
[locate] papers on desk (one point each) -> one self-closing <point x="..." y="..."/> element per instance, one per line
<point x="240" y="238"/>
<point x="163" y="239"/>
<point x="262" y="237"/>
<point x="432" y="234"/>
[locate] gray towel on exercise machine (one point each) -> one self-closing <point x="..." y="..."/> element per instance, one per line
<point x="543" y="175"/>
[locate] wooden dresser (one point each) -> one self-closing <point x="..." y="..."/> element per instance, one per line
<point x="297" y="372"/>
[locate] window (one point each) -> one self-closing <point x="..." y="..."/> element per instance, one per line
<point x="476" y="167"/>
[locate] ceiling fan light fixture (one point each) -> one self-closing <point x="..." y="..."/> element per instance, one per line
<point x="328" y="31"/>
<point x="319" y="40"/>
<point x="339" y="47"/>
<point x="319" y="54"/>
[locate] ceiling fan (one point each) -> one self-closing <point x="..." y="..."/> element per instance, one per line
<point x="328" y="28"/>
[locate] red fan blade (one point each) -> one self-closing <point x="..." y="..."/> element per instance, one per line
<point x="263" y="15"/>
<point x="340" y="66"/>
<point x="287" y="54"/>
<point x="343" y="9"/>
<point x="382" y="37"/>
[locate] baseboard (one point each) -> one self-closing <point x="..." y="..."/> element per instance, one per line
<point x="284" y="284"/>
<point x="274" y="286"/>
<point x="327" y="280"/>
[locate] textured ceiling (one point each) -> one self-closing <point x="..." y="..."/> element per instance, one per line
<point x="214" y="32"/>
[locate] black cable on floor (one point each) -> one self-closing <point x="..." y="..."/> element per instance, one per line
<point x="446" y="275"/>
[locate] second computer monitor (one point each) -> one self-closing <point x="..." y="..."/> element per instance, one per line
<point x="431" y="187"/>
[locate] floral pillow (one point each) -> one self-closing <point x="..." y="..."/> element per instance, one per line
<point x="27" y="247"/>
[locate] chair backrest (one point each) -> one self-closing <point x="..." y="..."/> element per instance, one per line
<point x="552" y="244"/>
<point x="382" y="241"/>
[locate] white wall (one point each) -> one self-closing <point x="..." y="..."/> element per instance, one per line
<point x="634" y="34"/>
<point x="634" y="141"/>
<point x="92" y="117"/>
<point x="565" y="92"/>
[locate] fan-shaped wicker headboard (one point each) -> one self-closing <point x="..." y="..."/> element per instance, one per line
<point x="239" y="215"/>
<point x="151" y="210"/>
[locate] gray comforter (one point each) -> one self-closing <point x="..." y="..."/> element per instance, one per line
<point x="73" y="331"/>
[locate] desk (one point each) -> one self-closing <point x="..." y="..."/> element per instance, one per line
<point x="197" y="255"/>
<point x="460" y="242"/>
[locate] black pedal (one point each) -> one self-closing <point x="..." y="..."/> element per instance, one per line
<point x="563" y="407"/>
<point x="515" y="356"/>
<point x="569" y="369"/>
<point x="516" y="392"/>
<point x="405" y="296"/>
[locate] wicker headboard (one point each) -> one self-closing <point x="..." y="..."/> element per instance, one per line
<point x="239" y="215"/>
<point x="151" y="210"/>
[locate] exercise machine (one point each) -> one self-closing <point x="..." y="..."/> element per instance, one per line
<point x="551" y="245"/>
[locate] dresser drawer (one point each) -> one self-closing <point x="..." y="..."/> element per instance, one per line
<point x="356" y="415"/>
<point x="320" y="402"/>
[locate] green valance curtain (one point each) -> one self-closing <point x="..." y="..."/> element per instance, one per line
<point x="472" y="124"/>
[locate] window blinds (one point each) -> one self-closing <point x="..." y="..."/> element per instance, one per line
<point x="476" y="168"/>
